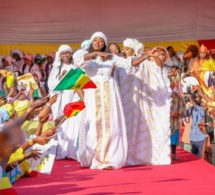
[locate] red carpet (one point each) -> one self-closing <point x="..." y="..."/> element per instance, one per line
<point x="190" y="175"/>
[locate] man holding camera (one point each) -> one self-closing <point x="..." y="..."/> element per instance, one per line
<point x="197" y="137"/>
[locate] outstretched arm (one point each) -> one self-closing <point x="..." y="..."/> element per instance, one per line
<point x="153" y="53"/>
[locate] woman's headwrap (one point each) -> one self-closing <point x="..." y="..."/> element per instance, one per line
<point x="9" y="108"/>
<point x="29" y="57"/>
<point x="21" y="106"/>
<point x="18" y="52"/>
<point x="212" y="51"/>
<point x="160" y="48"/>
<point x="203" y="49"/>
<point x="85" y="44"/>
<point x="99" y="34"/>
<point x="10" y="60"/>
<point x="8" y="74"/>
<point x="4" y="115"/>
<point x="135" y="45"/>
<point x="57" y="55"/>
<point x="51" y="54"/>
<point x="37" y="56"/>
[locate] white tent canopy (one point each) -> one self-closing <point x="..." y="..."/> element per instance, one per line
<point x="72" y="21"/>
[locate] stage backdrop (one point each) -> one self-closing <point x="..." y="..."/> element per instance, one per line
<point x="57" y="22"/>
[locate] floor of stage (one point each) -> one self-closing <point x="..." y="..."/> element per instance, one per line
<point x="190" y="175"/>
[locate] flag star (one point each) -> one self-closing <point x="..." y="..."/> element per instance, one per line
<point x="76" y="113"/>
<point x="78" y="86"/>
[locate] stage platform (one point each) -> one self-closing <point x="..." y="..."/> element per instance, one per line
<point x="190" y="175"/>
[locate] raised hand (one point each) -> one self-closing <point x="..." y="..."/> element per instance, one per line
<point x="40" y="102"/>
<point x="44" y="119"/>
<point x="63" y="73"/>
<point x="53" y="99"/>
<point x="103" y="55"/>
<point x="41" y="139"/>
<point x="35" y="154"/>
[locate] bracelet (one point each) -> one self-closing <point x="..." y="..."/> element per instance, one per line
<point x="49" y="105"/>
<point x="29" y="110"/>
<point x="30" y="141"/>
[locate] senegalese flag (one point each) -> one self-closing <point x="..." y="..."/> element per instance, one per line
<point x="5" y="186"/>
<point x="75" y="79"/>
<point x="72" y="109"/>
<point x="5" y="183"/>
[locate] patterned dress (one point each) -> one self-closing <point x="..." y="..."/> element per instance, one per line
<point x="146" y="98"/>
<point x="178" y="108"/>
<point x="102" y="138"/>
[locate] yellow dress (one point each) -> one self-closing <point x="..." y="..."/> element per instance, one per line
<point x="204" y="71"/>
<point x="30" y="127"/>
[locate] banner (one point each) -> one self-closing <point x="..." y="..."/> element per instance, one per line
<point x="45" y="163"/>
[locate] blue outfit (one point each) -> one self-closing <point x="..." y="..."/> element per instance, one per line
<point x="197" y="138"/>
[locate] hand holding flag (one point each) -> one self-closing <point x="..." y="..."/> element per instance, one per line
<point x="72" y="109"/>
<point x="75" y="79"/>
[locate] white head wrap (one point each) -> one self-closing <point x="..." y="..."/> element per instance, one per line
<point x="135" y="45"/>
<point x="99" y="34"/>
<point x="18" y="52"/>
<point x="10" y="60"/>
<point x="86" y="44"/>
<point x="57" y="55"/>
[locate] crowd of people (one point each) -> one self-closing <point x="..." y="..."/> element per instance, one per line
<point x="144" y="97"/>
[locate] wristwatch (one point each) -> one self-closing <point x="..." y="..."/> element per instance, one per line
<point x="30" y="141"/>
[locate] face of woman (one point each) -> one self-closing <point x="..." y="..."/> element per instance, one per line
<point x="28" y="62"/>
<point x="162" y="56"/>
<point x="98" y="44"/>
<point x="202" y="55"/>
<point x="113" y="48"/>
<point x="128" y="51"/>
<point x="65" y="56"/>
<point x="16" y="56"/>
<point x="50" y="60"/>
<point x="5" y="62"/>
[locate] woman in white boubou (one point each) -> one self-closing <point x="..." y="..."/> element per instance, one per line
<point x="102" y="139"/>
<point x="148" y="135"/>
<point x="68" y="131"/>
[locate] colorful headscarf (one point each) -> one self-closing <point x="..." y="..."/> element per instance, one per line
<point x="51" y="54"/>
<point x="85" y="44"/>
<point x="203" y="49"/>
<point x="4" y="115"/>
<point x="9" y="108"/>
<point x="21" y="106"/>
<point x="29" y="57"/>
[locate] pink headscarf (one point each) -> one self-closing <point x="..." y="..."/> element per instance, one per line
<point x="51" y="54"/>
<point x="29" y="56"/>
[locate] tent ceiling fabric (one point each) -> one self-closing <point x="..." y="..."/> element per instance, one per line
<point x="72" y="21"/>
